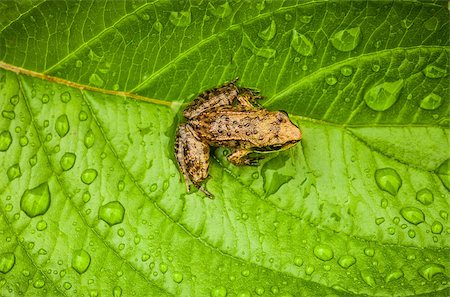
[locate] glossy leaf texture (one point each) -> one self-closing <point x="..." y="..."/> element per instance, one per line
<point x="92" y="202"/>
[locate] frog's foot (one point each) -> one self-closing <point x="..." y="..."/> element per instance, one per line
<point x="249" y="98"/>
<point x="241" y="157"/>
<point x="192" y="156"/>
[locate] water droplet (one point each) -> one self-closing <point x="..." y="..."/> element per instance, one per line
<point x="7" y="261"/>
<point x="245" y="272"/>
<point x="309" y="269"/>
<point x="65" y="97"/>
<point x="163" y="268"/>
<point x="82" y="116"/>
<point x="413" y="215"/>
<point x="13" y="172"/>
<point x="302" y="44"/>
<point x="41" y="225"/>
<point x="219" y="292"/>
<point x="346" y="70"/>
<point x="14" y="100"/>
<point x="23" y="141"/>
<point x="323" y="252"/>
<point x="391" y="230"/>
<point x="411" y="233"/>
<point x="304" y="67"/>
<point x="88" y="176"/>
<point x="275" y="290"/>
<point x="432" y="71"/>
<point x="384" y="95"/>
<point x="370" y="252"/>
<point x="428" y="271"/>
<point x="81" y="261"/>
<point x="406" y="23"/>
<point x="45" y="99"/>
<point x="264" y="52"/>
<point x="5" y="140"/>
<point x="62" y="125"/>
<point x="375" y="67"/>
<point x="259" y="291"/>
<point x="443" y="214"/>
<point x="78" y="63"/>
<point x="67" y="161"/>
<point x="39" y="284"/>
<point x="431" y="24"/>
<point x="346" y="261"/>
<point x="220" y="11"/>
<point x="443" y="173"/>
<point x="379" y="221"/>
<point x="177" y="277"/>
<point x="180" y="18"/>
<point x="86" y="197"/>
<point x="121" y="185"/>
<point x="89" y="139"/>
<point x="8" y="114"/>
<point x="116" y="87"/>
<point x="347" y="39"/>
<point x="298" y="261"/>
<point x="268" y="33"/>
<point x="121" y="232"/>
<point x="158" y="26"/>
<point x="305" y="19"/>
<point x="112" y="213"/>
<point x="36" y="201"/>
<point x="331" y="80"/>
<point x="388" y="180"/>
<point x="368" y="278"/>
<point x="42" y="252"/>
<point x="67" y="285"/>
<point x="437" y="227"/>
<point x="96" y="80"/>
<point x="431" y="102"/>
<point x="245" y="293"/>
<point x="117" y="291"/>
<point x="425" y="196"/>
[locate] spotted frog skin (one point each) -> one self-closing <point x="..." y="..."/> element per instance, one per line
<point x="229" y="116"/>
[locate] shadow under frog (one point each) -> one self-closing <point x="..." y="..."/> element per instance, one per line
<point x="228" y="116"/>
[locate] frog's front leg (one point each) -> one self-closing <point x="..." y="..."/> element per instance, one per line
<point x="192" y="155"/>
<point x="248" y="98"/>
<point x="240" y="157"/>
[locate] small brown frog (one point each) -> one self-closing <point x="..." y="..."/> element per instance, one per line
<point x="229" y="116"/>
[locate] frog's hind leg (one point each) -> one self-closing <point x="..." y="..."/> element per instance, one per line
<point x="240" y="157"/>
<point x="248" y="98"/>
<point x="193" y="157"/>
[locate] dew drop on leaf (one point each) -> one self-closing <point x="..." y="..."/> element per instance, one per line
<point x="86" y="197"/>
<point x="288" y="17"/>
<point x="388" y="180"/>
<point x="309" y="269"/>
<point x="443" y="173"/>
<point x="379" y="221"/>
<point x="259" y="291"/>
<point x="443" y="214"/>
<point x="331" y="80"/>
<point x="323" y="252"/>
<point x="177" y="277"/>
<point x="117" y="291"/>
<point x="7" y="261"/>
<point x="81" y="261"/>
<point x="428" y="271"/>
<point x="368" y="278"/>
<point x="41" y="225"/>
<point x="375" y="67"/>
<point x="112" y="213"/>
<point x="370" y="252"/>
<point x="14" y="100"/>
<point x="45" y="99"/>
<point x="96" y="80"/>
<point x="158" y="26"/>
<point x="347" y="70"/>
<point x="298" y="261"/>
<point x="36" y="201"/>
<point x="82" y="116"/>
<point x="88" y="176"/>
<point x="394" y="275"/>
<point x="347" y="39"/>
<point x="436" y="227"/>
<point x="413" y="215"/>
<point x="121" y="232"/>
<point x="383" y="96"/>
<point x="411" y="233"/>
<point x="89" y="139"/>
<point x="302" y="44"/>
<point x="245" y="272"/>
<point x="13" y="172"/>
<point x="121" y="185"/>
<point x="346" y="261"/>
<point x="67" y="161"/>
<point x="8" y="114"/>
<point x="220" y="11"/>
<point x="163" y="267"/>
<point x="180" y="18"/>
<point x="5" y="140"/>
<point x="425" y="196"/>
<point x="305" y="19"/>
<point x="78" y="63"/>
<point x="67" y="285"/>
<point x="62" y="125"/>
<point x="432" y="71"/>
<point x="268" y="33"/>
<point x="42" y="252"/>
<point x="33" y="160"/>
<point x="65" y="97"/>
<point x="38" y="284"/>
<point x="23" y="141"/>
<point x="431" y="102"/>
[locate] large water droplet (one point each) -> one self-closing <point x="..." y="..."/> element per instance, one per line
<point x="298" y="261"/>
<point x="8" y="114"/>
<point x="62" y="125"/>
<point x="431" y="102"/>
<point x="7" y="261"/>
<point x="347" y="70"/>
<point x="177" y="277"/>
<point x="443" y="173"/>
<point x="370" y="252"/>
<point x="41" y="225"/>
<point x="437" y="227"/>
<point x="428" y="271"/>
<point x="309" y="269"/>
<point x="394" y="275"/>
<point x="39" y="283"/>
<point x="413" y="215"/>
<point x="81" y="261"/>
<point x="384" y="95"/>
<point x="180" y="18"/>
<point x="432" y="71"/>
<point x="268" y="33"/>
<point x="89" y="139"/>
<point x="331" y="80"/>
<point x="302" y="44"/>
<point x="96" y="80"/>
<point x="13" y="172"/>
<point x="67" y="161"/>
<point x="425" y="196"/>
<point x="5" y="140"/>
<point x="347" y="39"/>
<point x="219" y="292"/>
<point x="368" y="278"/>
<point x="323" y="252"/>
<point x="36" y="201"/>
<point x="65" y="97"/>
<point x="388" y="180"/>
<point x="346" y="261"/>
<point x="88" y="176"/>
<point x="220" y="11"/>
<point x="112" y="213"/>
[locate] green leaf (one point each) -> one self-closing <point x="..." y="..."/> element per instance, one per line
<point x="92" y="202"/>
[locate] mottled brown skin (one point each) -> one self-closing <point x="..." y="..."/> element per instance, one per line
<point x="227" y="116"/>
